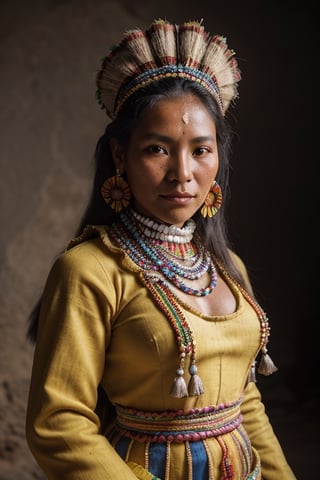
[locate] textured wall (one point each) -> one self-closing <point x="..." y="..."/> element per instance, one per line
<point x="49" y="124"/>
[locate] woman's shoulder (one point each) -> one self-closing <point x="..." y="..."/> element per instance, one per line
<point x="85" y="246"/>
<point x="91" y="250"/>
<point x="89" y="236"/>
<point x="241" y="266"/>
<point x="237" y="260"/>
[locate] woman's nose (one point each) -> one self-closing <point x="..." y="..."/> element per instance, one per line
<point x="180" y="169"/>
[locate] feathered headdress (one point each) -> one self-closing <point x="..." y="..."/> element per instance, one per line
<point x="167" y="50"/>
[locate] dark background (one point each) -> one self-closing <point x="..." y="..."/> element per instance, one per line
<point x="49" y="124"/>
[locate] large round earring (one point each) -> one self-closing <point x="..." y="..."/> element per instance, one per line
<point x="116" y="192"/>
<point x="212" y="201"/>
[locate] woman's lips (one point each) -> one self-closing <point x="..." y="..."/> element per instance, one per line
<point x="178" y="197"/>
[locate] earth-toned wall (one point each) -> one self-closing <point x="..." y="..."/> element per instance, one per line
<point x="49" y="125"/>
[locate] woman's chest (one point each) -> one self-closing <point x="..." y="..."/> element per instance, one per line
<point x="220" y="302"/>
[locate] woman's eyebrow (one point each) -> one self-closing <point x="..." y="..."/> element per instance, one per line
<point x="166" y="138"/>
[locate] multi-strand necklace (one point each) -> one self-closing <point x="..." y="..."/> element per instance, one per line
<point x="166" y="250"/>
<point x="167" y="255"/>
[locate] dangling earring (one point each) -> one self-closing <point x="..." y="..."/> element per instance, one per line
<point x="212" y="201"/>
<point x="116" y="193"/>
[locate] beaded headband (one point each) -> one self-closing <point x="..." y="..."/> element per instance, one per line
<point x="167" y="50"/>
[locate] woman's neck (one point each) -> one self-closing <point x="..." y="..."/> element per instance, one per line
<point x="163" y="232"/>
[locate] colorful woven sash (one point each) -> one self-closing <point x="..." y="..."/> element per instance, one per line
<point x="178" y="426"/>
<point x="158" y="431"/>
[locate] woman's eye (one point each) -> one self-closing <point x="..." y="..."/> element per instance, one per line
<point x="154" y="149"/>
<point x="201" y="151"/>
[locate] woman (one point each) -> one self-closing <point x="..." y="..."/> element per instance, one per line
<point x="147" y="331"/>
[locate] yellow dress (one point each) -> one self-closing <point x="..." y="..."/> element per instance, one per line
<point x="99" y="325"/>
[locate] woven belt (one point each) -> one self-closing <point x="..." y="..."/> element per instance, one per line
<point x="178" y="426"/>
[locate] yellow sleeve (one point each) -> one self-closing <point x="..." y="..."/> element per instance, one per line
<point x="257" y="424"/>
<point x="263" y="439"/>
<point x="62" y="429"/>
<point x="241" y="266"/>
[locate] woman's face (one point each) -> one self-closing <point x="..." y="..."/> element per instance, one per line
<point x="172" y="160"/>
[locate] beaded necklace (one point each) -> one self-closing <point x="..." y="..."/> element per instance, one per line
<point x="170" y="233"/>
<point x="147" y="254"/>
<point x="158" y="273"/>
<point x="181" y="251"/>
<point x="168" y="302"/>
<point x="266" y="365"/>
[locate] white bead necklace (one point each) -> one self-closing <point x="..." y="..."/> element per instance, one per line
<point x="166" y="233"/>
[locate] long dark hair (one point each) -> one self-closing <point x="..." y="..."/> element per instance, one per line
<point x="212" y="231"/>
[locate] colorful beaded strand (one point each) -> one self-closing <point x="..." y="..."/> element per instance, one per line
<point x="146" y="455"/>
<point x="129" y="450"/>
<point x="210" y="465"/>
<point x="169" y="270"/>
<point x="189" y="460"/>
<point x="147" y="256"/>
<point x="244" y="448"/>
<point x="266" y="366"/>
<point x="168" y="461"/>
<point x="226" y="466"/>
<point x="183" y="333"/>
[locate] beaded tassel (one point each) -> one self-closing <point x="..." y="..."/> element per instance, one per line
<point x="189" y="460"/>
<point x="210" y="465"/>
<point x="252" y="373"/>
<point x="159" y="270"/>
<point x="168" y="461"/>
<point x="195" y="387"/>
<point x="226" y="466"/>
<point x="179" y="387"/>
<point x="266" y="365"/>
<point x="165" y="299"/>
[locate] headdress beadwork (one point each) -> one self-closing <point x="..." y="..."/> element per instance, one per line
<point x="167" y="50"/>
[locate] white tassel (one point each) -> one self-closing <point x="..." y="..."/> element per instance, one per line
<point x="195" y="386"/>
<point x="266" y="366"/>
<point x="179" y="387"/>
<point x="252" y="373"/>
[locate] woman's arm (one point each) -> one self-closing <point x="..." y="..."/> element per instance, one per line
<point x="263" y="438"/>
<point x="62" y="428"/>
